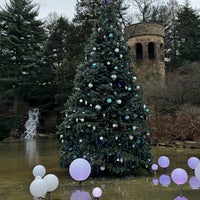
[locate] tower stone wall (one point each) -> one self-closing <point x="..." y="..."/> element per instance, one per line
<point x="146" y="42"/>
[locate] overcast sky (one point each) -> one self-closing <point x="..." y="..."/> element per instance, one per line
<point x="66" y="7"/>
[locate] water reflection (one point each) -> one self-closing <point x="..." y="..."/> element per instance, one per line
<point x="180" y="198"/>
<point x="32" y="153"/>
<point x="18" y="158"/>
<point x="80" y="195"/>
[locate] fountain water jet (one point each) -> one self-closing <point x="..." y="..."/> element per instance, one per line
<point x="31" y="123"/>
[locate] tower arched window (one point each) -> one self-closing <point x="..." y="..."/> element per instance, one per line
<point x="139" y="51"/>
<point x="151" y="50"/>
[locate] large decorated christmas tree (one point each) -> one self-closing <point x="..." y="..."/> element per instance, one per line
<point x="105" y="118"/>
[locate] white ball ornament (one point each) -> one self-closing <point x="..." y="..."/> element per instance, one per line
<point x="134" y="128"/>
<point x="39" y="170"/>
<point x="102" y="168"/>
<point x="98" y="107"/>
<point x="94" y="48"/>
<point x="134" y="78"/>
<point x="137" y="87"/>
<point x="108" y="63"/>
<point x="131" y="137"/>
<point x="101" y="138"/>
<point x="38" y="188"/>
<point x="114" y="77"/>
<point x="52" y="182"/>
<point x="90" y="85"/>
<point x="116" y="50"/>
<point x="119" y="101"/>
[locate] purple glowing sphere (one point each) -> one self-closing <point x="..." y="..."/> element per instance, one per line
<point x="165" y="180"/>
<point x="194" y="183"/>
<point x="155" y="181"/>
<point x="193" y="162"/>
<point x="154" y="167"/>
<point x="80" y="169"/>
<point x="179" y="176"/>
<point x="97" y="192"/>
<point x="163" y="161"/>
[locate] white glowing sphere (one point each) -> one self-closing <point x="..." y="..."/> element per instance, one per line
<point x="39" y="170"/>
<point x="52" y="182"/>
<point x="97" y="192"/>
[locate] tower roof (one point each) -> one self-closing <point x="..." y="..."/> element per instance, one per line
<point x="147" y="28"/>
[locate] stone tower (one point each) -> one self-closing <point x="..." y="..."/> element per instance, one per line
<point x="146" y="41"/>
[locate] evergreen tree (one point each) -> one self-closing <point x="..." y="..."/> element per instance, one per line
<point x="105" y="118"/>
<point x="22" y="38"/>
<point x="188" y="23"/>
<point x="63" y="53"/>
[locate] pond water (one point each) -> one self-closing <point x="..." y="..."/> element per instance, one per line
<point x="18" y="158"/>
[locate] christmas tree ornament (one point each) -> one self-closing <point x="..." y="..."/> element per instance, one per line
<point x="101" y="138"/>
<point x="134" y="78"/>
<point x="102" y="168"/>
<point x="129" y="89"/>
<point x="110" y="35"/>
<point x="112" y="123"/>
<point x="98" y="107"/>
<point x="116" y="68"/>
<point x="127" y="117"/>
<point x="137" y="87"/>
<point x="117" y="50"/>
<point x="134" y="128"/>
<point x="109" y="100"/>
<point x="94" y="64"/>
<point x="119" y="101"/>
<point x="131" y="137"/>
<point x="90" y="85"/>
<point x="114" y="76"/>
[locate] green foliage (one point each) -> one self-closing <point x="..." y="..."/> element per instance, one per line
<point x="22" y="36"/>
<point x="63" y="53"/>
<point x="7" y="124"/>
<point x="105" y="118"/>
<point x="188" y="28"/>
